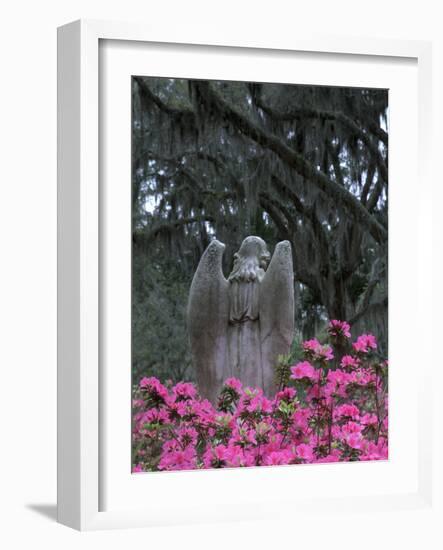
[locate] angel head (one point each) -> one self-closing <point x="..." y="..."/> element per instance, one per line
<point x="251" y="261"/>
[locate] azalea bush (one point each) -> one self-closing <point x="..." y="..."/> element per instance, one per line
<point x="331" y="406"/>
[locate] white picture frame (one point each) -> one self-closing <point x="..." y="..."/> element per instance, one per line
<point x="79" y="261"/>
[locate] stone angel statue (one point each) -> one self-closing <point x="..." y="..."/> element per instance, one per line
<point x="240" y="325"/>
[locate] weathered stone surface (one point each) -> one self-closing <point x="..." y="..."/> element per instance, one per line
<point x="239" y="326"/>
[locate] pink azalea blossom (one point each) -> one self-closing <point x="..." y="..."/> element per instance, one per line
<point x="368" y="419"/>
<point x="304" y="369"/>
<point x="304" y="452"/>
<point x="154" y="387"/>
<point x="286" y="394"/>
<point x="338" y="377"/>
<point x="347" y="410"/>
<point x="234" y="384"/>
<point x="311" y="345"/>
<point x="317" y="351"/>
<point x="339" y="328"/>
<point x="301" y="418"/>
<point x="365" y="343"/>
<point x="184" y="390"/>
<point x="354" y="440"/>
<point x="178" y="459"/>
<point x="351" y="427"/>
<point x="175" y="429"/>
<point x="324" y="353"/>
<point x="277" y="457"/>
<point x="215" y="457"/>
<point x="236" y="456"/>
<point x="348" y="361"/>
<point x="187" y="435"/>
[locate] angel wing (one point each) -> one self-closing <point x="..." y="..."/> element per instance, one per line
<point x="208" y="315"/>
<point x="276" y="312"/>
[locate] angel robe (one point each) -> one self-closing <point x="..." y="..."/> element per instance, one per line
<point x="239" y="328"/>
<point x="243" y="333"/>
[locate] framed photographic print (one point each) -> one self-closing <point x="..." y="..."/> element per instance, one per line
<point x="266" y="372"/>
<point x="234" y="228"/>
